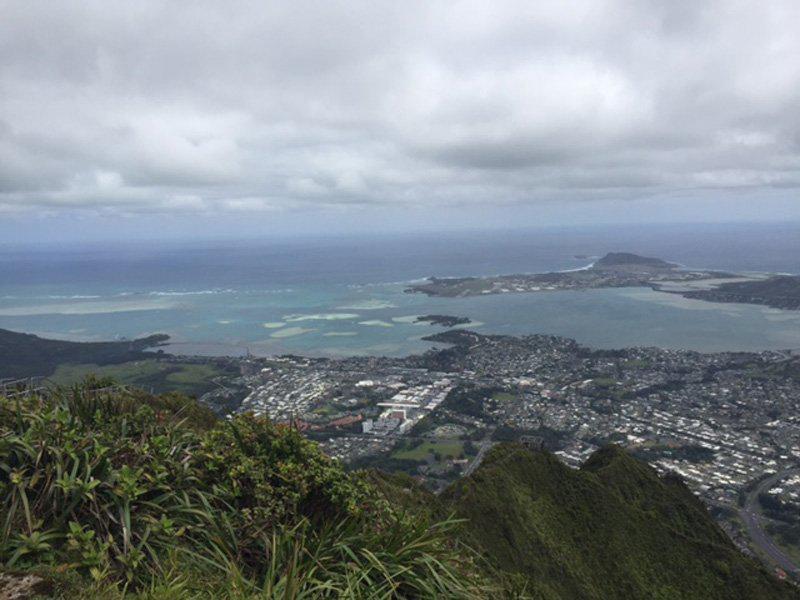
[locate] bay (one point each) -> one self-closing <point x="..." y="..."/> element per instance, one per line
<point x="345" y="296"/>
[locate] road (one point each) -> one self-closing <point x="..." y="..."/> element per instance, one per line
<point x="753" y="521"/>
<point x="486" y="443"/>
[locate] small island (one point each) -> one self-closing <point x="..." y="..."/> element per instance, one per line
<point x="443" y="320"/>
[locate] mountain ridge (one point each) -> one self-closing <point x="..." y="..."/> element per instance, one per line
<point x="522" y="525"/>
<point x="28" y="355"/>
<point x="612" y="529"/>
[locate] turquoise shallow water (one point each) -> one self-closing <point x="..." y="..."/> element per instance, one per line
<point x="340" y="297"/>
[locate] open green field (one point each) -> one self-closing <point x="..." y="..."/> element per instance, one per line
<point x="504" y="396"/>
<point x="447" y="448"/>
<point x="188" y="378"/>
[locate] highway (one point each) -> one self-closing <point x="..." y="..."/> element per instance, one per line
<point x="753" y="521"/>
<point x="486" y="444"/>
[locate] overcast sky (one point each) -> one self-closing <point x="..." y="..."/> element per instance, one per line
<point x="215" y="117"/>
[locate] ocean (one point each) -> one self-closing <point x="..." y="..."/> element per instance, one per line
<point x="345" y="296"/>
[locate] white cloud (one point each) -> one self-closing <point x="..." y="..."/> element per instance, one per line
<point x="229" y="107"/>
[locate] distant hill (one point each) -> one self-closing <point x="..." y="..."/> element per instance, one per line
<point x="613" y="529"/>
<point x="26" y="355"/>
<point x="627" y="259"/>
<point x="780" y="291"/>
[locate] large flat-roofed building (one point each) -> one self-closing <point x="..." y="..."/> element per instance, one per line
<point x="380" y="426"/>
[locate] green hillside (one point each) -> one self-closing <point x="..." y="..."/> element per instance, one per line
<point x="157" y="375"/>
<point x="122" y="494"/>
<point x="26" y="355"/>
<point x="779" y="291"/>
<point x="613" y="529"/>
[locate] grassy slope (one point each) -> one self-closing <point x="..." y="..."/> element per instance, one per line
<point x="103" y="492"/>
<point x="187" y="378"/>
<point x="614" y="529"/>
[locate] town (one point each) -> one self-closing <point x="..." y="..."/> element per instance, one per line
<point x="723" y="422"/>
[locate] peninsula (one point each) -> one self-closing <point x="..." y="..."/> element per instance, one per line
<point x="623" y="269"/>
<point x="616" y="269"/>
<point x="780" y="291"/>
<point x="26" y="355"/>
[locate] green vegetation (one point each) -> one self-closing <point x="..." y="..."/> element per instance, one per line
<point x="604" y="382"/>
<point x="192" y="379"/>
<point x="504" y="397"/>
<point x="444" y="449"/>
<point x="443" y="320"/>
<point x="552" y="439"/>
<point x="613" y="529"/>
<point x="25" y="355"/>
<point x="789" y="368"/>
<point x="472" y="400"/>
<point x="326" y="410"/>
<point x="119" y="493"/>
<point x="635" y="363"/>
<point x="387" y="463"/>
<point x="690" y="452"/>
<point x="783" y="524"/>
<point x="618" y="259"/>
<point x="787" y="537"/>
<point x="115" y="493"/>
<point x="429" y="460"/>
<point x="779" y="291"/>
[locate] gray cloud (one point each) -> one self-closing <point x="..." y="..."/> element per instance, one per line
<point x="237" y="106"/>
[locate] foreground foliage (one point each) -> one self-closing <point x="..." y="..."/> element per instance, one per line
<point x="110" y="493"/>
<point x="155" y="497"/>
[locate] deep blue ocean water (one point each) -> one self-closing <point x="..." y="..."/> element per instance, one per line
<point x="339" y="296"/>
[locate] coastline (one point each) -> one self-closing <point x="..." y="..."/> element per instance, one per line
<point x="603" y="318"/>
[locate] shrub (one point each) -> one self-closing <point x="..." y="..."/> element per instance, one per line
<point x="153" y="493"/>
<point x="103" y="482"/>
